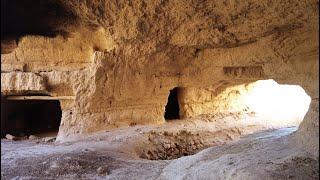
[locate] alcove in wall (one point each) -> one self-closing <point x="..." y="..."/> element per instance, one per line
<point x="172" y="110"/>
<point x="26" y="117"/>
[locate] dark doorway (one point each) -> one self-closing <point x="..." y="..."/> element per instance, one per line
<point x="172" y="107"/>
<point x="26" y="117"/>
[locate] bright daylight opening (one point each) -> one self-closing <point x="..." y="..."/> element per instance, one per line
<point x="279" y="104"/>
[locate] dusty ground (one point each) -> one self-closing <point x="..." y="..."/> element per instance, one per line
<point x="124" y="153"/>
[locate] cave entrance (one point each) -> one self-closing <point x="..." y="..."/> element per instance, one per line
<point x="172" y="107"/>
<point x="30" y="117"/>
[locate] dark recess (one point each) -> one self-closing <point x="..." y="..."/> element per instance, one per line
<point x="172" y="107"/>
<point x="28" y="117"/>
<point x="33" y="17"/>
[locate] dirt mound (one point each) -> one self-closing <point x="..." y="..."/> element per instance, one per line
<point x="171" y="145"/>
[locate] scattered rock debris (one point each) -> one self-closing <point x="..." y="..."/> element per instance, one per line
<point x="11" y="137"/>
<point x="168" y="145"/>
<point x="102" y="170"/>
<point x="49" y="139"/>
<point x="33" y="137"/>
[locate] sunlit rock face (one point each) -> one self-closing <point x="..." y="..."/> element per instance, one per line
<point x="120" y="59"/>
<point x="280" y="104"/>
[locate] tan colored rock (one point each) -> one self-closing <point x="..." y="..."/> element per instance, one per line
<point x="19" y="83"/>
<point x="122" y="70"/>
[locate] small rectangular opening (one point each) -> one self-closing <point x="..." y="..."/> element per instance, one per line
<point x="30" y="117"/>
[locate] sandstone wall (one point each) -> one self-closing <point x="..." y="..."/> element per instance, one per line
<point x="121" y="71"/>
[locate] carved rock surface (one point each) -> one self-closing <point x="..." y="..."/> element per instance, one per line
<point x="120" y="59"/>
<point x="20" y="83"/>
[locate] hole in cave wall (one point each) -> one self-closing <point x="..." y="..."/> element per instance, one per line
<point x="267" y="104"/>
<point x="172" y="109"/>
<point x="277" y="102"/>
<point x="26" y="117"/>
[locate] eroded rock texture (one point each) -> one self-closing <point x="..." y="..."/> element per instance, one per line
<point x="120" y="59"/>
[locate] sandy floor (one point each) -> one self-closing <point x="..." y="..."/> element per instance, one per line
<point x="182" y="150"/>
